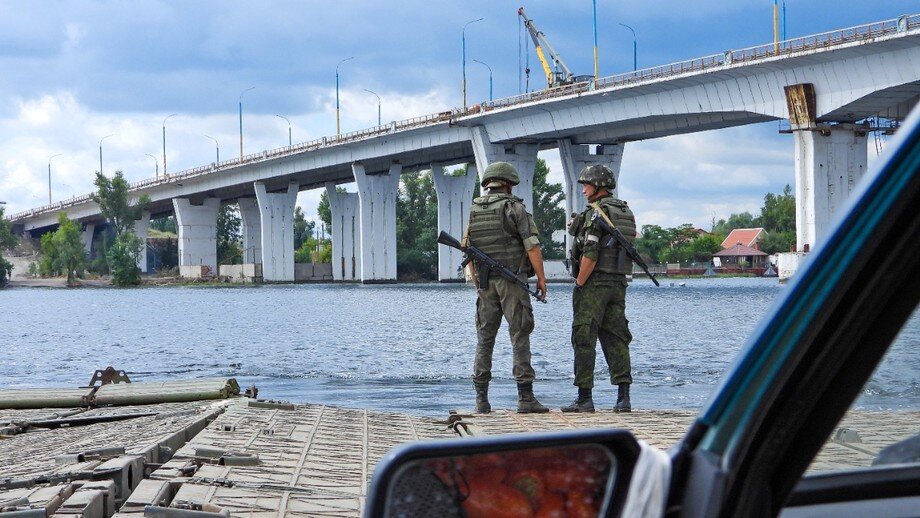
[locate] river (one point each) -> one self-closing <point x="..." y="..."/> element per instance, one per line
<point x="404" y="347"/>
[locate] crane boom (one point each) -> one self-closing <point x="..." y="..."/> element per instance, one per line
<point x="559" y="73"/>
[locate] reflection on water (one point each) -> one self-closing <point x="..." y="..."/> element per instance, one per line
<point x="388" y="347"/>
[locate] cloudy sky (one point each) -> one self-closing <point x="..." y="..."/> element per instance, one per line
<point x="74" y="72"/>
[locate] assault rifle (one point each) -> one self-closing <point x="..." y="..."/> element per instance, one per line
<point x="603" y="222"/>
<point x="486" y="265"/>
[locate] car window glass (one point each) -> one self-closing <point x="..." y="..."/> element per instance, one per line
<point x="882" y="425"/>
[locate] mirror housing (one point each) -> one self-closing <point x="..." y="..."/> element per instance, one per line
<point x="507" y="473"/>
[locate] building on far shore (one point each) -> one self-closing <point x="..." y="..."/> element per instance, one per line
<point x="748" y="237"/>
<point x="743" y="256"/>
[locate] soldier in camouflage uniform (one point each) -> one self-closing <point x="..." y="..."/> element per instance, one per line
<point x="500" y="226"/>
<point x="600" y="268"/>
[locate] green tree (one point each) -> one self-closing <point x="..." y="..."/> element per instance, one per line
<point x="7" y="240"/>
<point x="69" y="254"/>
<point x="743" y="220"/>
<point x="653" y="244"/>
<point x="115" y="203"/>
<point x="303" y="229"/>
<point x="229" y="236"/>
<point x="122" y="259"/>
<point x="165" y="224"/>
<point x="773" y="242"/>
<point x="47" y="265"/>
<point x="417" y="226"/>
<point x="702" y="248"/>
<point x="778" y="211"/>
<point x="548" y="213"/>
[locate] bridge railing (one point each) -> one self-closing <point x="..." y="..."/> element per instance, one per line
<point x="727" y="58"/>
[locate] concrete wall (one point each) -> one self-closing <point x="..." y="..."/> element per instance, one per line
<point x="250" y="272"/>
<point x="312" y="272"/>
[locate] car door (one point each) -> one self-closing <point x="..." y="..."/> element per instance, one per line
<point x="810" y="358"/>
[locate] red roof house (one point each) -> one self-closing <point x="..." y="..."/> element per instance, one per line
<point x="743" y="256"/>
<point x="743" y="236"/>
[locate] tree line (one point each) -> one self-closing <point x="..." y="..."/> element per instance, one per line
<point x="685" y="244"/>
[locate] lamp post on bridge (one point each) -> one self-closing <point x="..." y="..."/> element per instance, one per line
<point x="463" y="55"/>
<point x="290" y="141"/>
<point x="241" y="120"/>
<point x="50" y="158"/>
<point x="216" y="147"/>
<point x="156" y="166"/>
<point x="338" y="125"/>
<point x="164" y="143"/>
<point x="490" y="76"/>
<point x="634" y="45"/>
<point x="100" y="150"/>
<point x="378" y="104"/>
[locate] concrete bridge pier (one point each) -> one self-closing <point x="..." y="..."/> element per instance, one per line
<point x="251" y="228"/>
<point x="276" y="214"/>
<point x="346" y="240"/>
<point x="140" y="230"/>
<point x="522" y="156"/>
<point x="455" y="194"/>
<point x="197" y="225"/>
<point x="576" y="157"/>
<point x="829" y="162"/>
<point x="89" y="229"/>
<point x="377" y="197"/>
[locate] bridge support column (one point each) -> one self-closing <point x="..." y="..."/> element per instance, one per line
<point x="89" y="229"/>
<point x="197" y="225"/>
<point x="576" y="157"/>
<point x="346" y="241"/>
<point x="829" y="162"/>
<point x="522" y="156"/>
<point x="276" y="213"/>
<point x="140" y="230"/>
<point x="455" y="193"/>
<point x="377" y="196"/>
<point x="251" y="227"/>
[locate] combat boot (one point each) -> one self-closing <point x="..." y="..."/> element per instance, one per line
<point x="482" y="398"/>
<point x="623" y="398"/>
<point x="527" y="403"/>
<point x="584" y="402"/>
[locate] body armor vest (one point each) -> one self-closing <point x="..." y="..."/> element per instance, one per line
<point x="613" y="259"/>
<point x="488" y="232"/>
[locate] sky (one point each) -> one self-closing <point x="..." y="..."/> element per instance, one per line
<point x="79" y="75"/>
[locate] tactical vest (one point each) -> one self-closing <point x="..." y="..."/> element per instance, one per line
<point x="488" y="232"/>
<point x="614" y="259"/>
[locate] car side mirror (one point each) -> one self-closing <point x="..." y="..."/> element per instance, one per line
<point x="577" y="473"/>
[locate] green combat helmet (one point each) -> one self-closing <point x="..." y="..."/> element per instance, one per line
<point x="598" y="176"/>
<point x="499" y="171"/>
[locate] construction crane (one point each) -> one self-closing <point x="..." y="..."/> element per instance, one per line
<point x="557" y="74"/>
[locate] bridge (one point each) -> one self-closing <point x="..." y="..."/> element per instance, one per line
<point x="830" y="87"/>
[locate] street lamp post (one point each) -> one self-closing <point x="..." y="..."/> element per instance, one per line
<point x="100" y="150"/>
<point x="241" y="120"/>
<point x="378" y="104"/>
<point x="216" y="147"/>
<point x="634" y="44"/>
<point x="290" y="141"/>
<point x="338" y="125"/>
<point x="490" y="76"/>
<point x="156" y="166"/>
<point x="49" y="175"/>
<point x="596" y="66"/>
<point x="463" y="55"/>
<point x="164" y="143"/>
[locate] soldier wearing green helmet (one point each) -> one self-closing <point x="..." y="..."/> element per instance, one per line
<point x="500" y="226"/>
<point x="600" y="268"/>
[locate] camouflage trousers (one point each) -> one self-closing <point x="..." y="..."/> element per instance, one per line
<point x="503" y="299"/>
<point x="599" y="312"/>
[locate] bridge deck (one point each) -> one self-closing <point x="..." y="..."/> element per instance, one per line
<point x="265" y="459"/>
